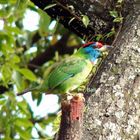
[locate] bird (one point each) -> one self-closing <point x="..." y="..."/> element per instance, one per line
<point x="69" y="74"/>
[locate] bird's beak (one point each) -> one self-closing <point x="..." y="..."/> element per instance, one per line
<point x="106" y="48"/>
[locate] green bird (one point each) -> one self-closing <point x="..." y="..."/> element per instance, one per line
<point x="73" y="71"/>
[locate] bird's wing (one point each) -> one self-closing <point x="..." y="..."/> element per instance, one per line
<point x="64" y="71"/>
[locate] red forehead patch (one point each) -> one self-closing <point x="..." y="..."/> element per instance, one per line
<point x="89" y="43"/>
<point x="98" y="44"/>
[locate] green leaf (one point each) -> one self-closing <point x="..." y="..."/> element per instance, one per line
<point x="2" y="102"/>
<point x="23" y="133"/>
<point x="113" y="13"/>
<point x="118" y="19"/>
<point x="2" y="97"/>
<point x="39" y="100"/>
<point x="49" y="6"/>
<point x="6" y="73"/>
<point x="21" y="4"/>
<point x="28" y="74"/>
<point x="111" y="33"/>
<point x="11" y="30"/>
<point x="3" y="1"/>
<point x="99" y="37"/>
<point x="25" y="122"/>
<point x="85" y="20"/>
<point x="44" y="23"/>
<point x="18" y="80"/>
<point x="15" y="59"/>
<point x="24" y="108"/>
<point x="56" y="122"/>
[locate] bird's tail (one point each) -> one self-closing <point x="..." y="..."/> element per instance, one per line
<point x="25" y="91"/>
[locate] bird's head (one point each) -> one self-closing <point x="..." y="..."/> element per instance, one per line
<point x="97" y="45"/>
<point x="94" y="50"/>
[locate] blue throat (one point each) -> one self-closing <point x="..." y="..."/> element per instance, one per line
<point x="91" y="53"/>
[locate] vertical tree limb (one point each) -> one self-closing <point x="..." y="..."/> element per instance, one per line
<point x="71" y="119"/>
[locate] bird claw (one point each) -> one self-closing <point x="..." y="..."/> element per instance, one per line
<point x="70" y="96"/>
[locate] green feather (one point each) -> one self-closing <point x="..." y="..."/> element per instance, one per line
<point x="66" y="70"/>
<point x="66" y="76"/>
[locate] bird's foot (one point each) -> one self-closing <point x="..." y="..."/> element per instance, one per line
<point x="70" y="96"/>
<point x="79" y="96"/>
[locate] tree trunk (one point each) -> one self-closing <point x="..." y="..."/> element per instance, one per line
<point x="113" y="111"/>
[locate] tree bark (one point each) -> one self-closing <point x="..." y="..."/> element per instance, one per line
<point x="113" y="111"/>
<point x="71" y="119"/>
<point x="70" y="14"/>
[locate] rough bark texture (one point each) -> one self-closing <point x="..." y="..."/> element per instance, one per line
<point x="113" y="111"/>
<point x="71" y="119"/>
<point x="70" y="14"/>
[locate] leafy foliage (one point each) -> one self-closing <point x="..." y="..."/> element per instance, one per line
<point x="18" y="46"/>
<point x="116" y="17"/>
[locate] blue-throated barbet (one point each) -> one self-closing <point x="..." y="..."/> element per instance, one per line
<point x="72" y="71"/>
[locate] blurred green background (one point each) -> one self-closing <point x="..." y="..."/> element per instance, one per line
<point x="30" y="43"/>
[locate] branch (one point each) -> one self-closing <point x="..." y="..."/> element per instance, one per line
<point x="36" y="37"/>
<point x="98" y="25"/>
<point x="3" y="89"/>
<point x="49" y="53"/>
<point x="71" y="119"/>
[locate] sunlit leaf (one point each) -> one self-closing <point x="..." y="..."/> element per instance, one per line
<point x="21" y="4"/>
<point x="24" y="108"/>
<point x="44" y="23"/>
<point x="28" y="74"/>
<point x="25" y="122"/>
<point x="118" y="19"/>
<point x="18" y="80"/>
<point x="56" y="122"/>
<point x="15" y="30"/>
<point x="15" y="59"/>
<point x="6" y="73"/>
<point x="113" y="13"/>
<point x="85" y="20"/>
<point x="23" y="133"/>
